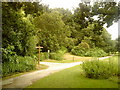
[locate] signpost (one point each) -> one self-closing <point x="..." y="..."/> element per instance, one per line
<point x="39" y="47"/>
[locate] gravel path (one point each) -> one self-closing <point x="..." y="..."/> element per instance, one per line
<point x="29" y="78"/>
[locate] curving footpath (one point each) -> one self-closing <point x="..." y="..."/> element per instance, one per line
<point x="29" y="78"/>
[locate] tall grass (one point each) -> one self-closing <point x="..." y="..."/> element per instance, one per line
<point x="18" y="64"/>
<point x="100" y="69"/>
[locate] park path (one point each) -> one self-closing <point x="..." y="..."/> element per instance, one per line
<point x="29" y="78"/>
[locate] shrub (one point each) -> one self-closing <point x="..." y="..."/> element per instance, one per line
<point x="44" y="56"/>
<point x="84" y="45"/>
<point x="18" y="64"/>
<point x="7" y="53"/>
<point x="95" y="52"/>
<point x="58" y="55"/>
<point x="99" y="69"/>
<point x="81" y="49"/>
<point x="78" y="51"/>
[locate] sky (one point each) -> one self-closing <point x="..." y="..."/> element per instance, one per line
<point x="71" y="4"/>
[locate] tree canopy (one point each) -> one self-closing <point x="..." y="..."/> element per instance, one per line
<point x="28" y="24"/>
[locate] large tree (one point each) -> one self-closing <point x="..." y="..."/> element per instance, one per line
<point x="18" y="30"/>
<point x="107" y="12"/>
<point x="52" y="31"/>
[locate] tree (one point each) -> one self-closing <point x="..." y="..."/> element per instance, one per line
<point x="52" y="31"/>
<point x="18" y="32"/>
<point x="64" y="13"/>
<point x="82" y="15"/>
<point x="106" y="12"/>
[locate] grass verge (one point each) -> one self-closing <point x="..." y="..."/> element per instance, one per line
<point x="72" y="78"/>
<point x="40" y="67"/>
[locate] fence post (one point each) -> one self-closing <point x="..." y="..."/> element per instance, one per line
<point x="48" y="54"/>
<point x="73" y="58"/>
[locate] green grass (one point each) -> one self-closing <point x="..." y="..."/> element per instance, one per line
<point x="40" y="67"/>
<point x="73" y="78"/>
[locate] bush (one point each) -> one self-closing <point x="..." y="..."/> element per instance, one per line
<point x="58" y="55"/>
<point x="18" y="64"/>
<point x="44" y="56"/>
<point x="78" y="51"/>
<point x="84" y="45"/>
<point x="7" y="53"/>
<point x="95" y="52"/>
<point x="100" y="69"/>
<point x="81" y="49"/>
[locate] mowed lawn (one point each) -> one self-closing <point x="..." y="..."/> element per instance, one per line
<point x="73" y="78"/>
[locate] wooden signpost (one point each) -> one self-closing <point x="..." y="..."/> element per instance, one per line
<point x="39" y="47"/>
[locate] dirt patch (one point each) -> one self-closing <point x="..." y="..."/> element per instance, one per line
<point x="68" y="56"/>
<point x="41" y="66"/>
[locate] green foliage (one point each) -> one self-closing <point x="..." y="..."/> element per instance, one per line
<point x="44" y="55"/>
<point x="70" y="43"/>
<point x="84" y="45"/>
<point x="100" y="69"/>
<point x="26" y="24"/>
<point x="18" y="64"/>
<point x="81" y="49"/>
<point x="58" y="55"/>
<point x="78" y="51"/>
<point x="18" y="30"/>
<point x="7" y="53"/>
<point x="95" y="52"/>
<point x="51" y="25"/>
<point x="30" y="45"/>
<point x="65" y="13"/>
<point x="107" y="11"/>
<point x="118" y="43"/>
<point x="107" y="44"/>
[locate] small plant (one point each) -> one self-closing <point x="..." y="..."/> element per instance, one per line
<point x="100" y="69"/>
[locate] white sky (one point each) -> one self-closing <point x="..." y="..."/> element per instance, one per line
<point x="70" y="4"/>
<point x="113" y="30"/>
<point x="67" y="4"/>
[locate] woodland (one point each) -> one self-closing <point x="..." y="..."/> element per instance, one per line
<point x="26" y="25"/>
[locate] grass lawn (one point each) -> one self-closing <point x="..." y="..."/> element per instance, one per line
<point x="73" y="78"/>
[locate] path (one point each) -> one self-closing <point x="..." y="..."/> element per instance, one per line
<point x="29" y="78"/>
